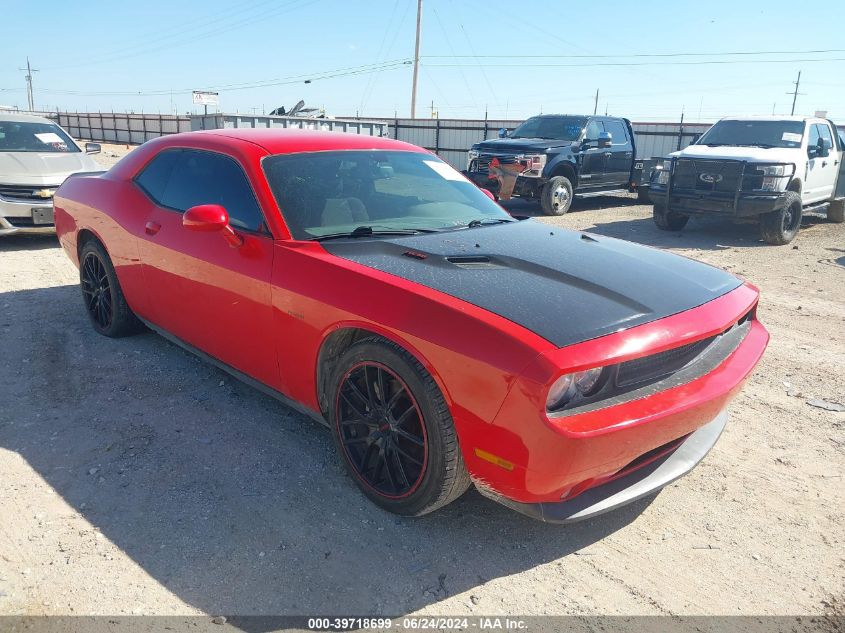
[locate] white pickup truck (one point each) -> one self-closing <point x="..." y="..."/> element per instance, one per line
<point x="774" y="168"/>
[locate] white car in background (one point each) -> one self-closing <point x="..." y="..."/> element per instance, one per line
<point x="36" y="156"/>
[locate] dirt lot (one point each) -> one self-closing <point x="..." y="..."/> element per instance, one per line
<point x="137" y="479"/>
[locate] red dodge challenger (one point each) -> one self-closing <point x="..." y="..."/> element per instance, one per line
<point x="368" y="284"/>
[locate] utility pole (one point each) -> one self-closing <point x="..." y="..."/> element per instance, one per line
<point x="416" y="62"/>
<point x="596" y="106"/>
<point x="795" y="92"/>
<point x="29" y="97"/>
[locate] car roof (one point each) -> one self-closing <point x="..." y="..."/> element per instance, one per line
<point x="289" y="141"/>
<point x="24" y="118"/>
<point x="783" y="117"/>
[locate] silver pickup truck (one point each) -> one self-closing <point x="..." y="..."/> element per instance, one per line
<point x="36" y="156"/>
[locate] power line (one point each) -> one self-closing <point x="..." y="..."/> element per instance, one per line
<point x="635" y="55"/>
<point x="628" y="64"/>
<point x="329" y="74"/>
<point x="182" y="41"/>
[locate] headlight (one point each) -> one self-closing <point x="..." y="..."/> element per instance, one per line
<point x="773" y="177"/>
<point x="533" y="163"/>
<point x="471" y="156"/>
<point x="569" y="386"/>
<point x="663" y="172"/>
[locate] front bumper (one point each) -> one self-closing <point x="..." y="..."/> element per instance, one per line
<point x="739" y="205"/>
<point x="554" y="458"/>
<point x="627" y="489"/>
<point x="524" y="186"/>
<point x="28" y="217"/>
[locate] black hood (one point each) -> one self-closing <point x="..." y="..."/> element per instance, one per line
<point x="519" y="145"/>
<point x="565" y="286"/>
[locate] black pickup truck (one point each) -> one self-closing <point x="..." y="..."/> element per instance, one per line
<point x="555" y="157"/>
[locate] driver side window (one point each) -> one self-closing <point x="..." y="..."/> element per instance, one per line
<point x="182" y="178"/>
<point x="813" y="138"/>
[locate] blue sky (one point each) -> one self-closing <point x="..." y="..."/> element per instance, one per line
<point x="100" y="55"/>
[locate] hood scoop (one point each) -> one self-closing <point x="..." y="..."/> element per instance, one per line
<point x="472" y="261"/>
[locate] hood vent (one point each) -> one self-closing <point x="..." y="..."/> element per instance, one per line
<point x="472" y="261"/>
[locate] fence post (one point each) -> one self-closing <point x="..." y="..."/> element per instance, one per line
<point x="437" y="135"/>
<point x="396" y="129"/>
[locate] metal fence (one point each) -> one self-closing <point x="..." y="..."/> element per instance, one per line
<point x="449" y="138"/>
<point x="367" y="127"/>
<point x="134" y="129"/>
<point x="114" y="127"/>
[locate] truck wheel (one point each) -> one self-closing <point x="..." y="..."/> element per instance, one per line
<point x="669" y="220"/>
<point x="556" y="197"/>
<point x="836" y="211"/>
<point x="781" y="225"/>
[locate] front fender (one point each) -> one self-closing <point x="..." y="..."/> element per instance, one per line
<point x="564" y="162"/>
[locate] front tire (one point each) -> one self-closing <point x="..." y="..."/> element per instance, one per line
<point x="393" y="429"/>
<point x="556" y="196"/>
<point x="102" y="295"/>
<point x="668" y="220"/>
<point x="781" y="225"/>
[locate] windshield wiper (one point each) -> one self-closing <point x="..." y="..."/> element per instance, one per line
<point x="367" y="231"/>
<point x="479" y="222"/>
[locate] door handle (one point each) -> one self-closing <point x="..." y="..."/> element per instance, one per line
<point x="608" y="154"/>
<point x="151" y="228"/>
<point x="824" y="163"/>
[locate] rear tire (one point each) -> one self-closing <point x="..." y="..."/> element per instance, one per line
<point x="836" y="211"/>
<point x="393" y="429"/>
<point x="642" y="195"/>
<point x="781" y="225"/>
<point x="668" y="220"/>
<point x="556" y="196"/>
<point x="102" y="295"/>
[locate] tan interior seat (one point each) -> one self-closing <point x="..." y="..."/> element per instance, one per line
<point x="342" y="211"/>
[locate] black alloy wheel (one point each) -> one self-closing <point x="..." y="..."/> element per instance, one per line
<point x="381" y="430"/>
<point x="97" y="291"/>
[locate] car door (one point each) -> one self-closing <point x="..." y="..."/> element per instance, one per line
<point x="209" y="294"/>
<point x="593" y="157"/>
<point x="617" y="171"/>
<point x="821" y="170"/>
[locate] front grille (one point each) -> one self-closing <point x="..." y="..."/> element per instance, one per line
<point x="482" y="163"/>
<point x="707" y="176"/>
<point x="651" y="368"/>
<point x="25" y="193"/>
<point x="25" y="223"/>
<point x="642" y="377"/>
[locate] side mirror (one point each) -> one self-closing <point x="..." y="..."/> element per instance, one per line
<point x="503" y="133"/>
<point x="605" y="139"/>
<point x="211" y="218"/>
<point x="93" y="148"/>
<point x="489" y="194"/>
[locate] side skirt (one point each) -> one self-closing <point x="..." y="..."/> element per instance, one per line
<point x="252" y="382"/>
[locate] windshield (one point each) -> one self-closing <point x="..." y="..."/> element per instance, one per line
<point x="27" y="136"/>
<point x="755" y="133"/>
<point x="559" y="128"/>
<point x="326" y="193"/>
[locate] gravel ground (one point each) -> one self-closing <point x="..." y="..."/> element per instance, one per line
<point x="137" y="479"/>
